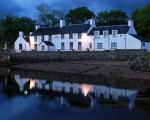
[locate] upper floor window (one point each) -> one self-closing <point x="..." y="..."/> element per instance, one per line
<point x="62" y="36"/>
<point x="70" y="36"/>
<point x="99" y="45"/>
<point x="49" y="37"/>
<point x="114" y="33"/>
<point x="42" y="38"/>
<point x="35" y="38"/>
<point x="96" y="34"/>
<point x="105" y="33"/>
<point x="79" y="35"/>
<point x="113" y="45"/>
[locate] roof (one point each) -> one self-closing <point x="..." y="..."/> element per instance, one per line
<point x="121" y="29"/>
<point x="79" y="28"/>
<point x="46" y="31"/>
<point x="27" y="38"/>
<point x="48" y="43"/>
<point x="139" y="38"/>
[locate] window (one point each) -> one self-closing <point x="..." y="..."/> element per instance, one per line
<point x="99" y="45"/>
<point x="20" y="46"/>
<point x="62" y="45"/>
<point x="35" y="46"/>
<point x="79" y="46"/>
<point x="62" y="36"/>
<point x="49" y="37"/>
<point x="105" y="33"/>
<point x="71" y="45"/>
<point x="96" y="34"/>
<point x="113" y="45"/>
<point x="35" y="38"/>
<point x="90" y="45"/>
<point x="42" y="38"/>
<point x="43" y="47"/>
<point x="143" y="44"/>
<point x="79" y="36"/>
<point x="70" y="36"/>
<point x="114" y="33"/>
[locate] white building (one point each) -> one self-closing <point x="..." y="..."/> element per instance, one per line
<point x="82" y="37"/>
<point x="22" y="43"/>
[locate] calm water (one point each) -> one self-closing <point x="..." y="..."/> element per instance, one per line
<point x="28" y="98"/>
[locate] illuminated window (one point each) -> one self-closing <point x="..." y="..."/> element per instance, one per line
<point x="96" y="35"/>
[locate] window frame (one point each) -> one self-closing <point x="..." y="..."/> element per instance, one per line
<point x="99" y="45"/>
<point x="112" y="46"/>
<point x="71" y="45"/>
<point x="79" y="35"/>
<point x="105" y="31"/>
<point x="62" y="46"/>
<point x="20" y="47"/>
<point x="98" y="33"/>
<point x="113" y="33"/>
<point x="70" y="35"/>
<point x="79" y="45"/>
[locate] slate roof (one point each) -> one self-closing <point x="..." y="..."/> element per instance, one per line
<point x="48" y="43"/>
<point x="139" y="38"/>
<point x="80" y="28"/>
<point x="46" y="31"/>
<point x="122" y="29"/>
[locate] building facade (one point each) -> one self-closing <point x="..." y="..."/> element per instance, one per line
<point x="83" y="37"/>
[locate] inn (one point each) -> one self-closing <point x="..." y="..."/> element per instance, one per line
<point x="82" y="37"/>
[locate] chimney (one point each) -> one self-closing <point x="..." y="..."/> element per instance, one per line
<point x="62" y="23"/>
<point x="130" y="23"/>
<point x="20" y="34"/>
<point x="92" y="22"/>
<point x="37" y="27"/>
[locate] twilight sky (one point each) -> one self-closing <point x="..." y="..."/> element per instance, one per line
<point x="27" y="7"/>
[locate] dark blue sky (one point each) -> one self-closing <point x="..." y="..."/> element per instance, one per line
<point x="27" y="7"/>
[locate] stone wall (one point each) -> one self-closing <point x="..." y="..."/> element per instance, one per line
<point x="118" y="55"/>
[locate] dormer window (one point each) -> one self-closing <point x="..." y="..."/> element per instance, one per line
<point x="105" y="33"/>
<point x="79" y="35"/>
<point x="35" y="38"/>
<point x="70" y="36"/>
<point x="96" y="35"/>
<point x="114" y="33"/>
<point x="62" y="36"/>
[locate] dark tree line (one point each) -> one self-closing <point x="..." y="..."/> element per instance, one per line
<point x="11" y="25"/>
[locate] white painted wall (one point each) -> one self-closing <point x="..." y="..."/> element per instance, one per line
<point x="146" y="46"/>
<point x="25" y="45"/>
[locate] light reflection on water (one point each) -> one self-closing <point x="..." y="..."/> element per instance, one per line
<point x="88" y="90"/>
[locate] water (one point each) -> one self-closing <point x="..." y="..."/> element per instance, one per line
<point x="23" y="97"/>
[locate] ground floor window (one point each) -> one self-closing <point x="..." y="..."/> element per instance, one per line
<point x="71" y="45"/>
<point x="35" y="46"/>
<point x="20" y="46"/>
<point x="43" y="47"/>
<point x="62" y="45"/>
<point x="90" y="45"/>
<point x="99" y="45"/>
<point x="113" y="45"/>
<point x="79" y="45"/>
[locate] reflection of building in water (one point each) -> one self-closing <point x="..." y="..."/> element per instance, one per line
<point x="75" y="88"/>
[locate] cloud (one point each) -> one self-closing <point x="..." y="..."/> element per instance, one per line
<point x="27" y="7"/>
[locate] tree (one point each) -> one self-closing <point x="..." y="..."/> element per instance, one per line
<point x="47" y="16"/>
<point x="141" y="18"/>
<point x="113" y="17"/>
<point x="10" y="27"/>
<point x="79" y="15"/>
